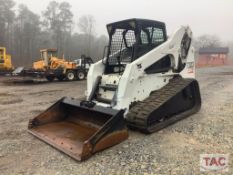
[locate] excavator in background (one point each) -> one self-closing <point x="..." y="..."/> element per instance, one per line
<point x="5" y="62"/>
<point x="51" y="67"/>
<point x="146" y="81"/>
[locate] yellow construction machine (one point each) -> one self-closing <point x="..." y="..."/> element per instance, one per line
<point x="53" y="67"/>
<point x="5" y="61"/>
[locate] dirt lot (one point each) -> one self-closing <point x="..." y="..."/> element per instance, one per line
<point x="174" y="150"/>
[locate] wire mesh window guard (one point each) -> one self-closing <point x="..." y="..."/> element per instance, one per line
<point x="123" y="42"/>
<point x="144" y="37"/>
<point x="152" y="34"/>
<point x="157" y="36"/>
<point x="121" y="46"/>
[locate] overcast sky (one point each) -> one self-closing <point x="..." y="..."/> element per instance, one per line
<point x="204" y="16"/>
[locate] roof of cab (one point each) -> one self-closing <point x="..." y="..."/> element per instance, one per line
<point x="129" y="23"/>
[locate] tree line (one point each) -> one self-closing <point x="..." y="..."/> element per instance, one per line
<point x="24" y="32"/>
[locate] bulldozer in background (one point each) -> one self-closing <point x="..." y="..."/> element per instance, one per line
<point x="5" y="61"/>
<point x="145" y="82"/>
<point x="51" y="67"/>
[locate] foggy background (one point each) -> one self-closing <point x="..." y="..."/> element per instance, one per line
<point x="78" y="27"/>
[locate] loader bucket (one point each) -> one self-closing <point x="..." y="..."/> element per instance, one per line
<point x="78" y="130"/>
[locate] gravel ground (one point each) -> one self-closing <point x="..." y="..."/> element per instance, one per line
<point x="174" y="150"/>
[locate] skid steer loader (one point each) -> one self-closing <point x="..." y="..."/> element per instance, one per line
<point x="145" y="81"/>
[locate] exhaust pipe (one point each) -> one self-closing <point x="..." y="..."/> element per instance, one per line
<point x="79" y="129"/>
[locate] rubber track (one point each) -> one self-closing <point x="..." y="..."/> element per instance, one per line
<point x="138" y="114"/>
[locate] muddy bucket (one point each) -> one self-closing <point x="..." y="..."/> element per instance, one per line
<point x="79" y="129"/>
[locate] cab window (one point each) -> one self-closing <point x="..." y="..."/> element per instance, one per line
<point x="152" y="35"/>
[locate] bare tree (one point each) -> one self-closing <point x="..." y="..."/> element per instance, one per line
<point x="209" y="41"/>
<point x="58" y="18"/>
<point x="86" y="25"/>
